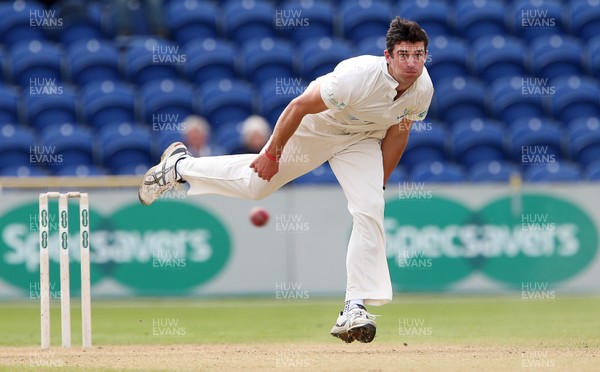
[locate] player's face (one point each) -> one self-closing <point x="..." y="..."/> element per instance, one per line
<point x="406" y="62"/>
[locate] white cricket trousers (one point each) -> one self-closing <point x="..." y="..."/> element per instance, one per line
<point x="356" y="161"/>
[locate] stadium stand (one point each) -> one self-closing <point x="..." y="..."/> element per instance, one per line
<point x="226" y="100"/>
<point x="526" y="70"/>
<point x="267" y="58"/>
<point x="73" y="145"/>
<point x="585" y="18"/>
<point x="299" y="21"/>
<point x="92" y="60"/>
<point x="533" y="18"/>
<point x="493" y="171"/>
<point x="438" y="171"/>
<point x="432" y="15"/>
<point x="15" y="146"/>
<point x="210" y="59"/>
<point x="584" y="140"/>
<point x="498" y="57"/>
<point x="190" y="20"/>
<point x="107" y="102"/>
<point x="516" y="97"/>
<point x="364" y="18"/>
<point x="553" y="172"/>
<point x="427" y="144"/>
<point x="35" y="63"/>
<point x="447" y="57"/>
<point x="476" y="140"/>
<point x="476" y="18"/>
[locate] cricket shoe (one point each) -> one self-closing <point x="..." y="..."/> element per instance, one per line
<point x="356" y="324"/>
<point x="162" y="177"/>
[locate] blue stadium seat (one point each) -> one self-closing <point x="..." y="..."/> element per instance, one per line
<point x="23" y="171"/>
<point x="322" y="175"/>
<point x="126" y="145"/>
<point x="554" y="56"/>
<point x="364" y="18"/>
<point x="398" y="176"/>
<point x="73" y="143"/>
<point x="593" y="57"/>
<point x="226" y="100"/>
<point x="92" y="60"/>
<point x="81" y="171"/>
<point x="447" y="58"/>
<point x="37" y="60"/>
<point x="514" y="98"/>
<point x="535" y="141"/>
<point x="592" y="171"/>
<point x="476" y="140"/>
<point x="228" y="136"/>
<point x="3" y="66"/>
<point x="319" y="56"/>
<point x="23" y="21"/>
<point x="476" y="18"/>
<point x="432" y="15"/>
<point x="244" y="20"/>
<point x="585" y="18"/>
<point x="499" y="56"/>
<point x="530" y="19"/>
<point x="492" y="171"/>
<point x="166" y="138"/>
<point x="427" y="144"/>
<point x="15" y="146"/>
<point x="165" y="104"/>
<point x="9" y="105"/>
<point x="266" y="58"/>
<point x="575" y="97"/>
<point x="80" y="22"/>
<point x="553" y="172"/>
<point x="190" y="20"/>
<point x="373" y="46"/>
<point x="107" y="102"/>
<point x="584" y="140"/>
<point x="459" y="98"/>
<point x="57" y="105"/>
<point x="149" y="59"/>
<point x="210" y="59"/>
<point x="302" y="20"/>
<point x="438" y="172"/>
<point x="131" y="170"/>
<point x="275" y="95"/>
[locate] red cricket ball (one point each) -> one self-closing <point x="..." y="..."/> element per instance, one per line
<point x="259" y="216"/>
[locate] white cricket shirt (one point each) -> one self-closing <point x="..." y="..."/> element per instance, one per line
<point x="359" y="94"/>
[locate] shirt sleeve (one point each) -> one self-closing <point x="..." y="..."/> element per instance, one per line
<point x="338" y="88"/>
<point x="423" y="101"/>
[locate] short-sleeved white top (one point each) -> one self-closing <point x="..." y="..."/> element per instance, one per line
<point x="359" y="94"/>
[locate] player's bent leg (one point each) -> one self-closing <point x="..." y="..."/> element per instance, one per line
<point x="231" y="175"/>
<point x="163" y="176"/>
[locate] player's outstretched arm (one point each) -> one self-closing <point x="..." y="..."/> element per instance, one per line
<point x="392" y="147"/>
<point x="309" y="102"/>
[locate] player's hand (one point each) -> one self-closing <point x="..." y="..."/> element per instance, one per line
<point x="265" y="167"/>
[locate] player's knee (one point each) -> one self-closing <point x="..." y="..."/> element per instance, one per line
<point x="368" y="208"/>
<point x="260" y="192"/>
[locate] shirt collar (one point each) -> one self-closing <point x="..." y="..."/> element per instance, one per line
<point x="391" y="81"/>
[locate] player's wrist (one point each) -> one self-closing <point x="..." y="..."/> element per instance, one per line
<point x="271" y="157"/>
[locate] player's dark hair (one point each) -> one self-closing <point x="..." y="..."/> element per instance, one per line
<point x="404" y="30"/>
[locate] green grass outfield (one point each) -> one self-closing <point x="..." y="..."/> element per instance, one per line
<point x="566" y="321"/>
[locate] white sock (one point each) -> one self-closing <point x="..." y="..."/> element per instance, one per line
<point x="352" y="303"/>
